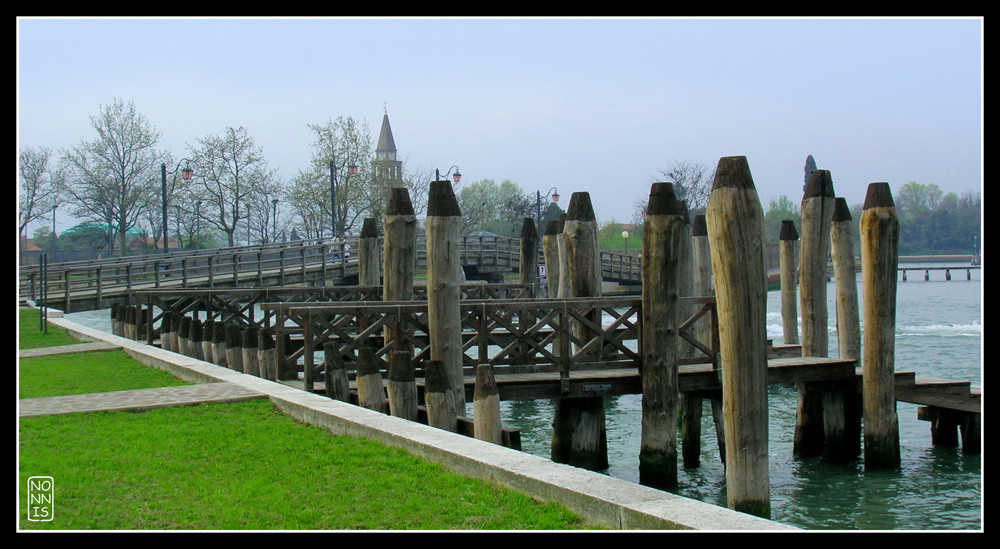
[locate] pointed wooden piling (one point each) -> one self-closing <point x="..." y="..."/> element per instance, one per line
<point x="400" y="263"/>
<point x="578" y="435"/>
<point x="879" y="230"/>
<point x="817" y="212"/>
<point x="841" y="403"/>
<point x="664" y="232"/>
<point x="788" y="252"/>
<point x="369" y="258"/>
<point x="550" y="251"/>
<point x="735" y="226"/>
<point x="444" y="320"/>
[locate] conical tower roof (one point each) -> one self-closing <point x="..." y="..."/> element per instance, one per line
<point x="385" y="141"/>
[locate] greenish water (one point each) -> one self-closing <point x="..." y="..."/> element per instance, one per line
<point x="939" y="334"/>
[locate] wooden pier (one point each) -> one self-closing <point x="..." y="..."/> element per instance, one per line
<point x="451" y="345"/>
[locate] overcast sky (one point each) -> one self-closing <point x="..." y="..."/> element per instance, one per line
<point x="579" y="104"/>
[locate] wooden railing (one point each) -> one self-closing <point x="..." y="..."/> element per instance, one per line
<point x="563" y="335"/>
<point x="243" y="306"/>
<point x="272" y="264"/>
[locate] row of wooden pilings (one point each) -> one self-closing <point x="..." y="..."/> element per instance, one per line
<point x="246" y="349"/>
<point x="722" y="252"/>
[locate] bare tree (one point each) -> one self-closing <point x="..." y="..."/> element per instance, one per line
<point x="340" y="147"/>
<point x="111" y="178"/>
<point x="38" y="190"/>
<point x="230" y="173"/>
<point x="692" y="183"/>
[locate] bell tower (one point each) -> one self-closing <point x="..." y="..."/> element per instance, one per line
<point x="386" y="169"/>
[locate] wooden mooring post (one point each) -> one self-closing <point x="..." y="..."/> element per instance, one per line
<point x="369" y="260"/>
<point x="578" y="427"/>
<point x="438" y="400"/>
<point x="817" y="212"/>
<point x="692" y="402"/>
<point x="486" y="406"/>
<point x="444" y="318"/>
<point x="400" y="252"/>
<point x="662" y="250"/>
<point x="879" y="230"/>
<point x="371" y="389"/>
<point x="550" y="252"/>
<point x="735" y="227"/>
<point x="842" y="403"/>
<point x="401" y="387"/>
<point x="788" y="248"/>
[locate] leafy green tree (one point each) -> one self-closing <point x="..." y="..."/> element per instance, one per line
<point x="499" y="208"/>
<point x="778" y="210"/>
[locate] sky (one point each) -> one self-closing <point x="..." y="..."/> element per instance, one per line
<point x="601" y="105"/>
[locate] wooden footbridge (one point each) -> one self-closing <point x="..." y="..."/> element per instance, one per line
<point x="88" y="285"/>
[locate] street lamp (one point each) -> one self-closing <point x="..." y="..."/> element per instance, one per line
<point x="274" y="218"/>
<point x="351" y="170"/>
<point x="625" y="236"/>
<point x="538" y="201"/>
<point x="456" y="176"/>
<point x="186" y="174"/>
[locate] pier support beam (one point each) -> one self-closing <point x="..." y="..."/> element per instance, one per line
<point x="879" y="260"/>
<point x="735" y="227"/>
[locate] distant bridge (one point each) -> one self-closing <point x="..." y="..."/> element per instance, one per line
<point x="87" y="285"/>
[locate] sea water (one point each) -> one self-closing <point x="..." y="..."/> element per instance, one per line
<point x="938" y="334"/>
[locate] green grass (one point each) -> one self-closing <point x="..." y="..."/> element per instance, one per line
<point x="92" y="372"/>
<point x="242" y="466"/>
<point x="31" y="336"/>
<point x="247" y="466"/>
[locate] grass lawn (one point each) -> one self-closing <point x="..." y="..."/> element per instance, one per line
<point x="92" y="372"/>
<point x="31" y="336"/>
<point x="240" y="466"/>
<point x="247" y="466"/>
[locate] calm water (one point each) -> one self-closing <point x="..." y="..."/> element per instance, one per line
<point x="939" y="334"/>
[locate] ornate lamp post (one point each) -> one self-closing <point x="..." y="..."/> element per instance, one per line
<point x="538" y="203"/>
<point x="625" y="236"/>
<point x="456" y="176"/>
<point x="186" y="174"/>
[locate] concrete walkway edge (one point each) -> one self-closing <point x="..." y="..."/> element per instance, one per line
<point x="597" y="498"/>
